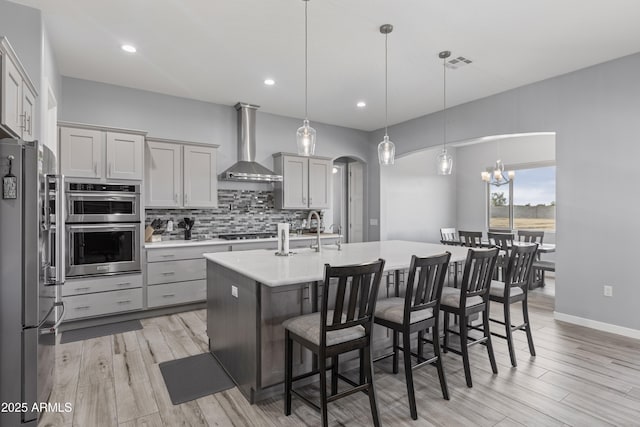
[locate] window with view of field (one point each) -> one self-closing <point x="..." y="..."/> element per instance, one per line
<point x="528" y="202"/>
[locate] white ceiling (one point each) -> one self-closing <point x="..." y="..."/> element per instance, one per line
<point x="221" y="50"/>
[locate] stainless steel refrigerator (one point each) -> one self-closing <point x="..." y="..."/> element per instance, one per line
<point x="31" y="273"/>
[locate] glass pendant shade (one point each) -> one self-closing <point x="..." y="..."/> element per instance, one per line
<point x="386" y="151"/>
<point x="445" y="163"/>
<point x="306" y="139"/>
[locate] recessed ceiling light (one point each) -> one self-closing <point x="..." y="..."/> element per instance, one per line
<point x="361" y="104"/>
<point x="128" y="48"/>
<point x="269" y="82"/>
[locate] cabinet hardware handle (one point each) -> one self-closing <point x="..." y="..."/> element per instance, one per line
<point x="176" y="197"/>
<point x="29" y="125"/>
<point x="310" y="200"/>
<point x="168" y="295"/>
<point x="124" y="302"/>
<point x="83" y="289"/>
<point x="123" y="284"/>
<point x="83" y="307"/>
<point x="23" y="121"/>
<point x="110" y="169"/>
<point x="186" y="198"/>
<point x="95" y="168"/>
<point x="168" y="273"/>
<point x="168" y="256"/>
<point x="304" y="200"/>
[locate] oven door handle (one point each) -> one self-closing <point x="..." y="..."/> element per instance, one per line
<point x="104" y="196"/>
<point x="80" y="227"/>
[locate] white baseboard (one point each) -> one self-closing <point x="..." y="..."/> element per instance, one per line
<point x="594" y="324"/>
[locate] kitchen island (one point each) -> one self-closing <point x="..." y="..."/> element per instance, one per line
<point x="250" y="294"/>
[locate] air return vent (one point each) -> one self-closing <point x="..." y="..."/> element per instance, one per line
<point x="458" y="61"/>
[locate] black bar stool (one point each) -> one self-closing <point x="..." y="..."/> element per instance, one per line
<point x="418" y="311"/>
<point x="515" y="288"/>
<point x="472" y="297"/>
<point x="330" y="333"/>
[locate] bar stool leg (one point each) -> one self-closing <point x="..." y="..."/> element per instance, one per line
<point x="408" y="373"/>
<point x="464" y="348"/>
<point x="508" y="333"/>
<point x="395" y="351"/>
<point x="334" y="375"/>
<point x="420" y="346"/>
<point x="487" y="334"/>
<point x="525" y="315"/>
<point x="435" y="338"/>
<point x="368" y="362"/>
<point x="288" y="354"/>
<point x="445" y="347"/>
<point x="322" y="365"/>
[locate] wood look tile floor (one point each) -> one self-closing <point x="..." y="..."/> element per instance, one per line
<point x="580" y="377"/>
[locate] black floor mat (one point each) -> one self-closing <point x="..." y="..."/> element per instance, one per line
<point x="99" y="331"/>
<point x="193" y="377"/>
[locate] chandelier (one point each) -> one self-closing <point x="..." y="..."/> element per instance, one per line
<point x="498" y="177"/>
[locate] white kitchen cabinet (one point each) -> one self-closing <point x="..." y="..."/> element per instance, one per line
<point x="81" y="152"/>
<point x="180" y="174"/>
<point x="306" y="182"/>
<point x="200" y="177"/>
<point x="17" y="95"/>
<point x="163" y="176"/>
<point x="320" y="176"/>
<point x="100" y="153"/>
<point x="124" y="156"/>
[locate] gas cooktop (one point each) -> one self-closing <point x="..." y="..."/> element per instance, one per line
<point x="245" y="236"/>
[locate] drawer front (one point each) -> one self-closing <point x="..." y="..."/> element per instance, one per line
<point x="176" y="271"/>
<point x="173" y="254"/>
<point x="102" y="303"/>
<point x="176" y="293"/>
<point x="101" y="284"/>
<point x="254" y="245"/>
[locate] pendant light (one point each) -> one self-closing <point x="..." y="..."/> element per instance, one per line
<point x="386" y="148"/>
<point x="306" y="135"/>
<point x="445" y="161"/>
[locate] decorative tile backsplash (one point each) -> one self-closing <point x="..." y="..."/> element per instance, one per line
<point x="238" y="211"/>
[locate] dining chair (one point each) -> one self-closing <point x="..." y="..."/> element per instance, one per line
<point x="471" y="239"/>
<point x="503" y="241"/>
<point x="448" y="236"/>
<point x="514" y="288"/>
<point x="539" y="267"/>
<point x="471" y="298"/>
<point x="330" y="333"/>
<point x="418" y="311"/>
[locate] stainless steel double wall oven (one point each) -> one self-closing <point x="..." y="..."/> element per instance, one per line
<point x="102" y="228"/>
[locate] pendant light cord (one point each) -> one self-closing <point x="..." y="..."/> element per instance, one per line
<point x="386" y="84"/>
<point x="444" y="101"/>
<point x="306" y="64"/>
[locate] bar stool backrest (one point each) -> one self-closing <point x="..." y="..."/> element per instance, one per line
<point x="355" y="298"/>
<point x="478" y="272"/>
<point x="520" y="266"/>
<point x="424" y="283"/>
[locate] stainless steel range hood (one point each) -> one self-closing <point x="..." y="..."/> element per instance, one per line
<point x="247" y="169"/>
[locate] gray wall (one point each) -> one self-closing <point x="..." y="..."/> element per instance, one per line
<point x="185" y="119"/>
<point x="594" y="113"/>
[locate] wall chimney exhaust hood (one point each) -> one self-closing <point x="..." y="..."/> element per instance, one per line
<point x="246" y="168"/>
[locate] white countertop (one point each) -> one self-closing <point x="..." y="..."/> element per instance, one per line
<point x="308" y="266"/>
<point x="212" y="242"/>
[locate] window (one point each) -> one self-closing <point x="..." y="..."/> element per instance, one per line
<point x="527" y="202"/>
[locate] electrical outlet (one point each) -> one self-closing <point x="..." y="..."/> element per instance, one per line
<point x="373" y="221"/>
<point x="234" y="291"/>
<point x="608" y="291"/>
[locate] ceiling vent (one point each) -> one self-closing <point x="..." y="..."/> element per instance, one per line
<point x="457" y="62"/>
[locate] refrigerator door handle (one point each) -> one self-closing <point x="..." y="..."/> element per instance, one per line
<point x="55" y="327"/>
<point x="58" y="274"/>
